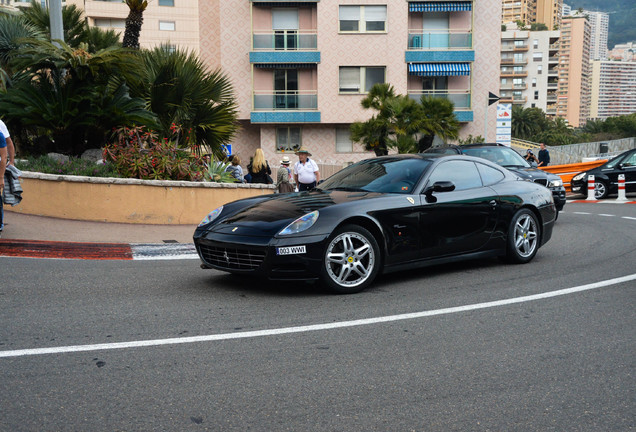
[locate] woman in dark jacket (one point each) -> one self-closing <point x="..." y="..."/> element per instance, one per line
<point x="259" y="168"/>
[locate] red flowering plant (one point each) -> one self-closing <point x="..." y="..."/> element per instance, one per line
<point x="138" y="153"/>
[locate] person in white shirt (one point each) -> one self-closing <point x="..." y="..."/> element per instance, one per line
<point x="306" y="174"/>
<point x="10" y="147"/>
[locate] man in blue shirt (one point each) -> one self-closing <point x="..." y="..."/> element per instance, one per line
<point x="3" y="166"/>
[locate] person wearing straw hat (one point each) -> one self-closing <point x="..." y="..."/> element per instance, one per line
<point x="306" y="174"/>
<point x="283" y="177"/>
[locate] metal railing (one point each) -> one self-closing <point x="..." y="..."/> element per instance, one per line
<point x="460" y="98"/>
<point x="419" y="40"/>
<point x="286" y="40"/>
<point x="286" y="100"/>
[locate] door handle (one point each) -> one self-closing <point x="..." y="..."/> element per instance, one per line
<point x="493" y="203"/>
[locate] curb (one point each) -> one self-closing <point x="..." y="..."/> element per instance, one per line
<point x="96" y="251"/>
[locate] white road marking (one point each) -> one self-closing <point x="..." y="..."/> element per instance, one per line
<point x="629" y="217"/>
<point x="606" y="215"/>
<point x="315" y="327"/>
<point x="583" y="213"/>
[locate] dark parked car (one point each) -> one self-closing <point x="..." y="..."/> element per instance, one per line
<point x="383" y="214"/>
<point x="606" y="176"/>
<point x="510" y="159"/>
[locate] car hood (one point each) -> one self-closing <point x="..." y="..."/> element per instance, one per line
<point x="269" y="216"/>
<point x="533" y="174"/>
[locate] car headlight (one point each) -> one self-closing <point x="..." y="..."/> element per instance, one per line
<point x="211" y="216"/>
<point x="578" y="177"/>
<point x="300" y="224"/>
<point x="555" y="183"/>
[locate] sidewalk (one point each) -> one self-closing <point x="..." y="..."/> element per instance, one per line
<point x="27" y="227"/>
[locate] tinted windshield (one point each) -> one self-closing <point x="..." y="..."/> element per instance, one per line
<point x="388" y="175"/>
<point x="503" y="156"/>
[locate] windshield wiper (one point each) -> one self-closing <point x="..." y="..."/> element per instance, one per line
<point x="347" y="189"/>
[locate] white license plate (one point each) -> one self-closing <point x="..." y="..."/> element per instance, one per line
<point x="291" y="250"/>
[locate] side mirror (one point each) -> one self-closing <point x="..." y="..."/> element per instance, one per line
<point x="440" y="186"/>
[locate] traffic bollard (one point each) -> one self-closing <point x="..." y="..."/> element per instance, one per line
<point x="590" y="188"/>
<point x="621" y="188"/>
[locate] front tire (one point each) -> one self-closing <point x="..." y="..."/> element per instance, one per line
<point x="600" y="190"/>
<point x="351" y="260"/>
<point x="524" y="237"/>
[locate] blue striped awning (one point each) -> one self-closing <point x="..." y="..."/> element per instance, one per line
<point x="439" y="69"/>
<point x="440" y="6"/>
<point x="285" y="65"/>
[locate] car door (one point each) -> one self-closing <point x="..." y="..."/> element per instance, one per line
<point x="628" y="167"/>
<point x="459" y="221"/>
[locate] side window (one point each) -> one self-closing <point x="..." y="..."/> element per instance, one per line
<point x="630" y="161"/>
<point x="463" y="174"/>
<point x="489" y="175"/>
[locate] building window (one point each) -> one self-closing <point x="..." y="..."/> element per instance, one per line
<point x="166" y="2"/>
<point x="111" y="23"/>
<point x="539" y="69"/>
<point x="360" y="79"/>
<point x="166" y="25"/>
<point x="343" y="141"/>
<point x="536" y="95"/>
<point x="534" y="82"/>
<point x="362" y="19"/>
<point x="538" y="56"/>
<point x="288" y="139"/>
<point x="535" y="43"/>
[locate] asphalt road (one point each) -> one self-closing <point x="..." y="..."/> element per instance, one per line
<point x="543" y="363"/>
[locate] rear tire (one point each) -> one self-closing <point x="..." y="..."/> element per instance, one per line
<point x="351" y="260"/>
<point x="524" y="237"/>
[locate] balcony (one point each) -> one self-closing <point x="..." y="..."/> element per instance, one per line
<point x="285" y="40"/>
<point x="460" y="98"/>
<point x="440" y="40"/>
<point x="512" y="74"/>
<point x="285" y="100"/>
<point x="523" y="47"/>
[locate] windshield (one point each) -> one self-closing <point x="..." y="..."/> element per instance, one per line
<point x="504" y="156"/>
<point x="387" y="175"/>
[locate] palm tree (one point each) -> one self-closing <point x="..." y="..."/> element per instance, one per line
<point x="13" y="31"/>
<point x="527" y="122"/>
<point x="188" y="99"/>
<point x="75" y="27"/>
<point x="438" y="119"/>
<point x="134" y="22"/>
<point x="70" y="96"/>
<point x="374" y="133"/>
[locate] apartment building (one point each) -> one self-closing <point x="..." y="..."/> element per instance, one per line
<point x="574" y="97"/>
<point x="613" y="89"/>
<point x="524" y="11"/>
<point x="301" y="68"/>
<point x="599" y="33"/>
<point x="170" y="22"/>
<point x="549" y="12"/>
<point x="529" y="69"/>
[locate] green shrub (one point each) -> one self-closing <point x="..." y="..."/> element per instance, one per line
<point x="74" y="166"/>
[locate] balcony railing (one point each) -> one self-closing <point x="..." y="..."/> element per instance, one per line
<point x="460" y="98"/>
<point x="286" y="40"/>
<point x="286" y="100"/>
<point x="440" y="40"/>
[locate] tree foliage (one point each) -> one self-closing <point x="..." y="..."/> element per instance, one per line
<point x="532" y="124"/>
<point x="402" y="123"/>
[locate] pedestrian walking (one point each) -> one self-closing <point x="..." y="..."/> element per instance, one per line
<point x="306" y="173"/>
<point x="283" y="178"/>
<point x="544" y="156"/>
<point x="3" y="165"/>
<point x="10" y="147"/>
<point x="259" y="169"/>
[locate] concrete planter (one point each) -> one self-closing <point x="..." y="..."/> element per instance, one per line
<point x="127" y="200"/>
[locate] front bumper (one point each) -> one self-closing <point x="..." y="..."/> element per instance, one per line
<point x="559" y="196"/>
<point x="257" y="255"/>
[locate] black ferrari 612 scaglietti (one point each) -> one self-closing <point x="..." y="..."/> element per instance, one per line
<point x="381" y="215"/>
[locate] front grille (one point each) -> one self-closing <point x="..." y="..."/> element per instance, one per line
<point x="542" y="182"/>
<point x="232" y="258"/>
